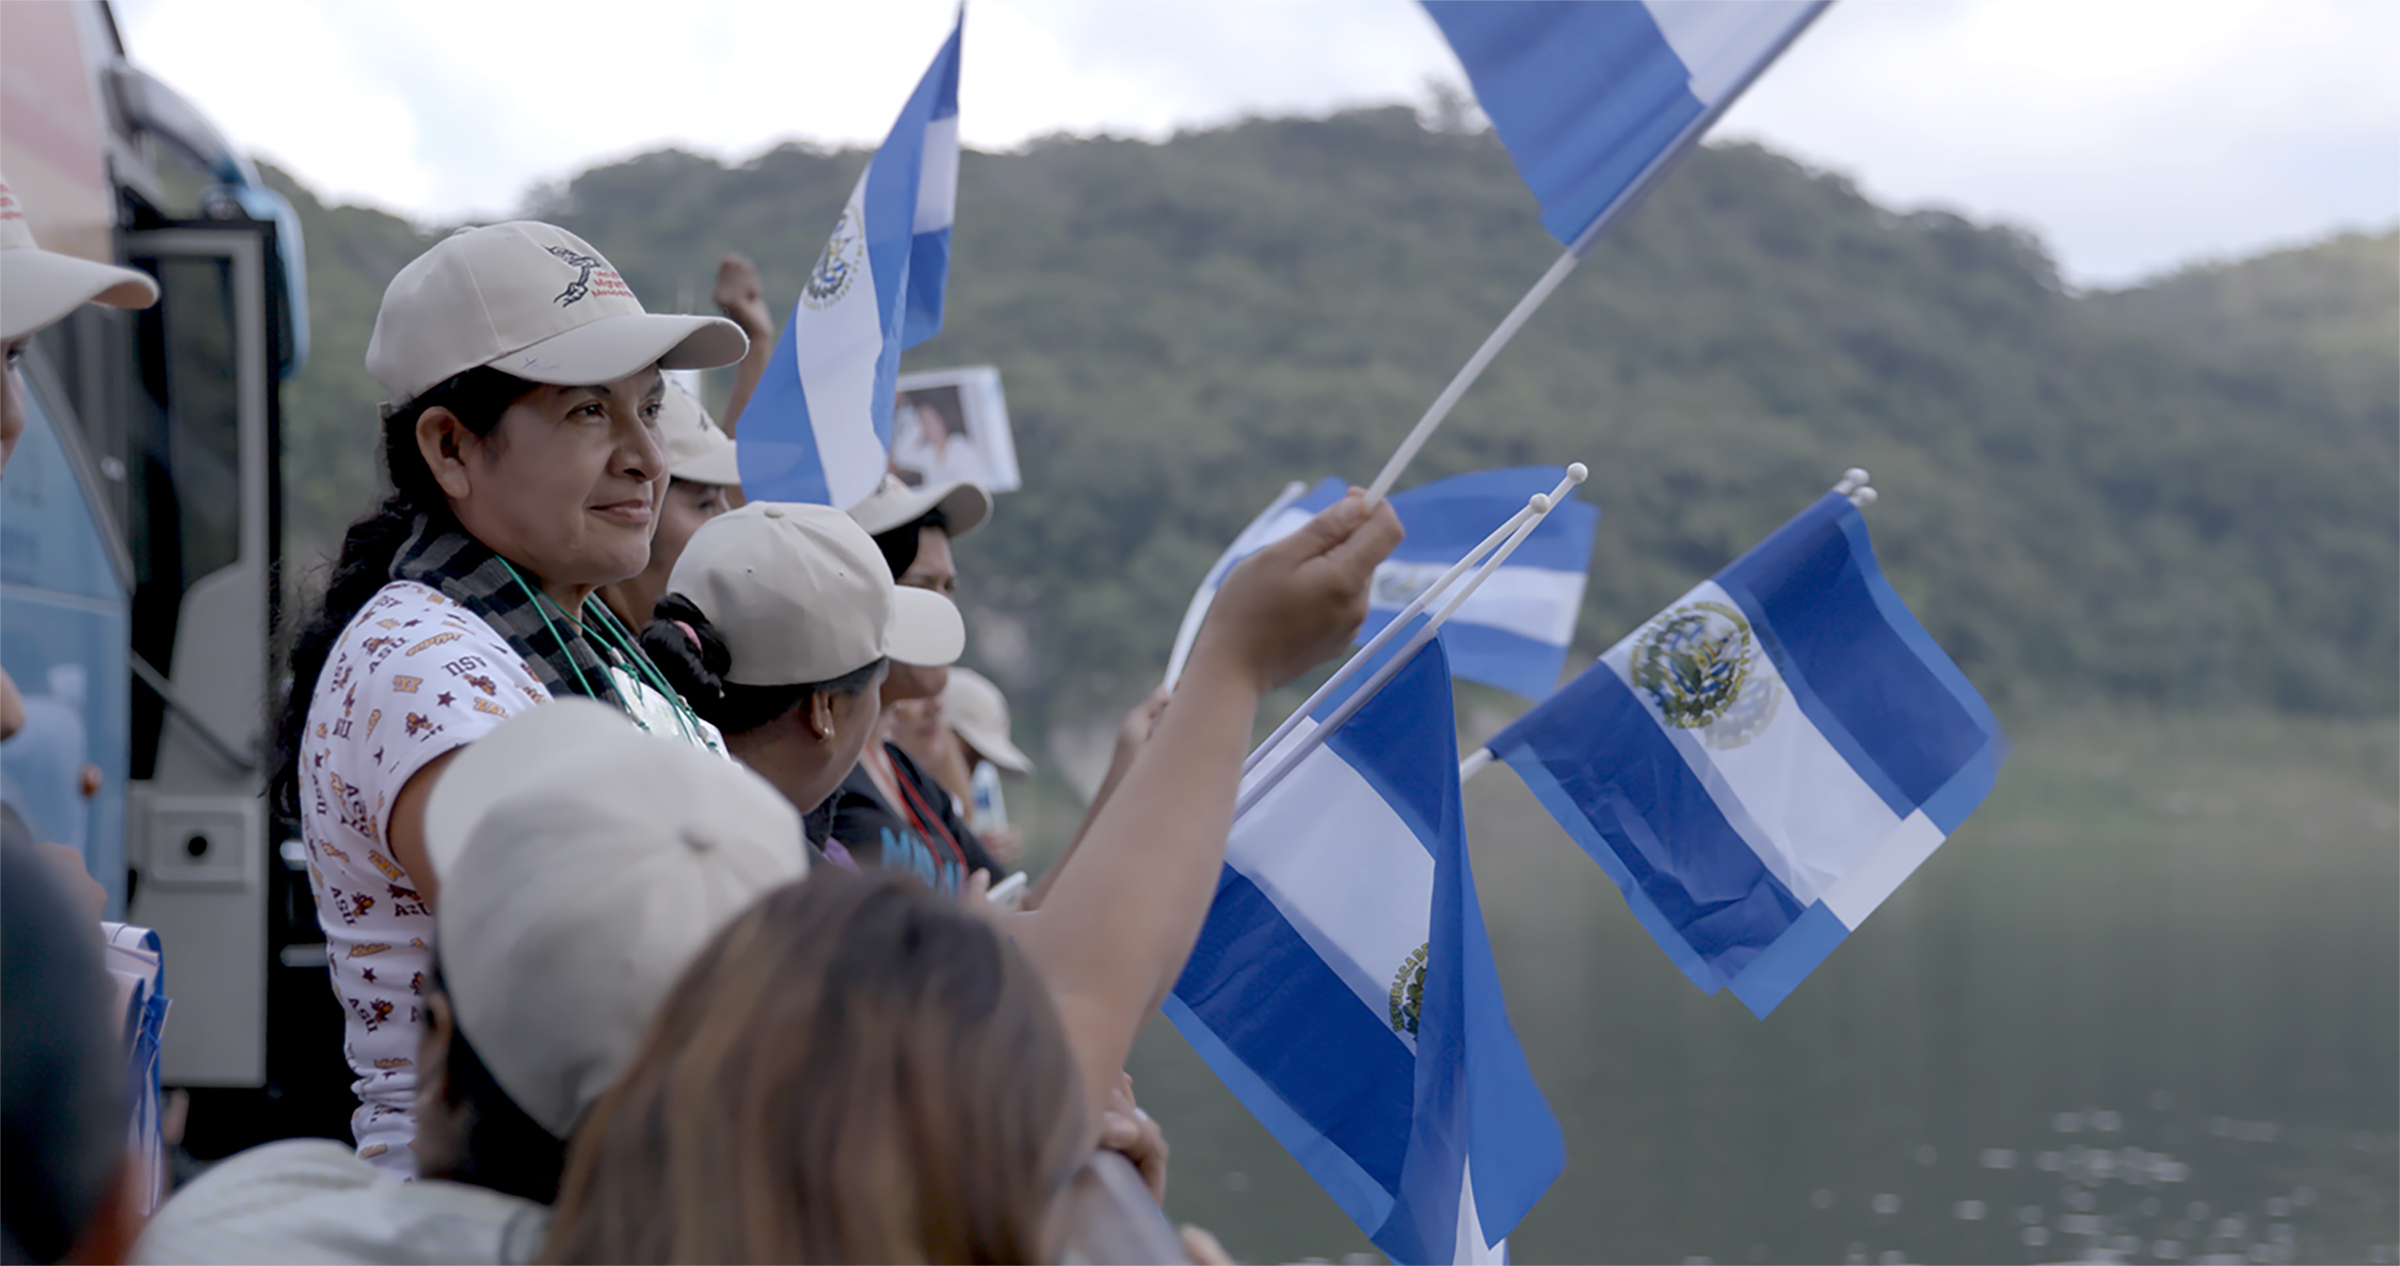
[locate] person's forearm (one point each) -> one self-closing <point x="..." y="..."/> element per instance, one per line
<point x="753" y="366"/>
<point x="1117" y="927"/>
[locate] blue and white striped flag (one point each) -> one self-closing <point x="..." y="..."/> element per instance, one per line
<point x="819" y="427"/>
<point x="1596" y="101"/>
<point x="1763" y="762"/>
<point x="1514" y="630"/>
<point x="1344" y="990"/>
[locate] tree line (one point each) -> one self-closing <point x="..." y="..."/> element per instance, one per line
<point x="2185" y="494"/>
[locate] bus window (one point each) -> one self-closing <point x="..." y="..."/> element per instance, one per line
<point x="62" y="640"/>
<point x="184" y="465"/>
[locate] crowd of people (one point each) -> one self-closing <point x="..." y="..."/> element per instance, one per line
<point x="644" y="828"/>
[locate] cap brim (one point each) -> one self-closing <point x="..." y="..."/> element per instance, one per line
<point x="995" y="748"/>
<point x="964" y="507"/>
<point x="492" y="766"/>
<point x="38" y="287"/>
<point x="719" y="465"/>
<point x="613" y="347"/>
<point x="926" y="630"/>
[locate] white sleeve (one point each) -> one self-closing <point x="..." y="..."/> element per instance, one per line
<point x="414" y="676"/>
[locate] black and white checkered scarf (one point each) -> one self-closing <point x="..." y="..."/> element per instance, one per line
<point x="466" y="571"/>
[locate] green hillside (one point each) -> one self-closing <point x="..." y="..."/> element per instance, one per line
<point x="2185" y="495"/>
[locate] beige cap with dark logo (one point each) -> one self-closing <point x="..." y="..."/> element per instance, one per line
<point x="532" y="300"/>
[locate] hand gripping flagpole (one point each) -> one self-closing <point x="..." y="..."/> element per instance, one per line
<point x="1514" y="527"/>
<point x="1852" y="484"/>
<point x="1207" y="593"/>
<point x="1529" y="519"/>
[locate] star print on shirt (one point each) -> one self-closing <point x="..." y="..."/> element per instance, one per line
<point x="446" y="699"/>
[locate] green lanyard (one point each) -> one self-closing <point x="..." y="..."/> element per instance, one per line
<point x="685" y="719"/>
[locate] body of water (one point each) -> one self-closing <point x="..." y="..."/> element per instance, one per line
<point x="2144" y="1007"/>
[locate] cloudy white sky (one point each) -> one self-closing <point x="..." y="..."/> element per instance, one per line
<point x="2132" y="135"/>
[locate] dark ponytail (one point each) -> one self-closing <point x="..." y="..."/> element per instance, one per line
<point x="479" y="397"/>
<point x="694" y="660"/>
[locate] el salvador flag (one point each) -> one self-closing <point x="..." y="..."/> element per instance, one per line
<point x="1763" y="762"/>
<point x="819" y="427"/>
<point x="1344" y="990"/>
<point x="1596" y="101"/>
<point x="1513" y="632"/>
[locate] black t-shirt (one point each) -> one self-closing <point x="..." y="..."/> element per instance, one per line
<point x="923" y="837"/>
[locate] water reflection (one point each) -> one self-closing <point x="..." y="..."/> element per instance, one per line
<point x="2085" y="1028"/>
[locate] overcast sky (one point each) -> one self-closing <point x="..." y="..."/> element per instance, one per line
<point x="2133" y="136"/>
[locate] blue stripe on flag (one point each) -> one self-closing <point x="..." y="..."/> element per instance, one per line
<point x="1413" y="766"/>
<point x="1773" y="975"/>
<point x="778" y="451"/>
<point x="1493" y="656"/>
<point x="1298" y="1030"/>
<point x="1447" y="517"/>
<point x="1585" y="96"/>
<point x="1581" y="828"/>
<point x="1358" y="1194"/>
<point x="1870" y="688"/>
<point x="1706" y="881"/>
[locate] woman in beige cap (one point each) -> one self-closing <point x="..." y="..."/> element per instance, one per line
<point x="705" y="481"/>
<point x="779" y="625"/>
<point x="521" y="439"/>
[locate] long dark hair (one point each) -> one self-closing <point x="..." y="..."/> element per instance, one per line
<point x="479" y="397"/>
<point x="853" y="1070"/>
<point x="694" y="659"/>
<point x="506" y="1150"/>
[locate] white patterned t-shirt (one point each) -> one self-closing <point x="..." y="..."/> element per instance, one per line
<point x="414" y="675"/>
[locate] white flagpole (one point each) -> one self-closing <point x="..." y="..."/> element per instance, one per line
<point x="1251" y="794"/>
<point x="1197" y="612"/>
<point x="1443" y="403"/>
<point x="1853" y="484"/>
<point x="1576" y="474"/>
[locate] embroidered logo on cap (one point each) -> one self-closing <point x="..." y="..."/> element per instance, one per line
<point x="592" y="276"/>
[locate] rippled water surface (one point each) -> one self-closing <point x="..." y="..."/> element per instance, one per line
<point x="2144" y="1007"/>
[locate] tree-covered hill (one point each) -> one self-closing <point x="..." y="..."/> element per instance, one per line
<point x="2185" y="494"/>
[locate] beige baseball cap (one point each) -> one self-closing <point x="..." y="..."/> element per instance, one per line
<point x="964" y="506"/>
<point x="583" y="864"/>
<point x="38" y="287"/>
<point x="532" y="300"/>
<point x="976" y="709"/>
<point x="696" y="450"/>
<point x="800" y="594"/>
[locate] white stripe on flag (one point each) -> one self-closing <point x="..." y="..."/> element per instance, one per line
<point x="1720" y="41"/>
<point x="1471" y="1247"/>
<point x="1790" y="794"/>
<point x="838" y="346"/>
<point x="1538" y="603"/>
<point x="937" y="177"/>
<point x="1894" y="859"/>
<point x="1349" y="876"/>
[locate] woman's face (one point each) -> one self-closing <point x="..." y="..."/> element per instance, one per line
<point x="569" y="486"/>
<point x="916" y="724"/>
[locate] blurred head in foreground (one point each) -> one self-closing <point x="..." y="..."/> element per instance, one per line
<point x="854" y="1071"/>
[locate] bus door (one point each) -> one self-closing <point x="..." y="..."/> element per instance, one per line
<point x="201" y="519"/>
